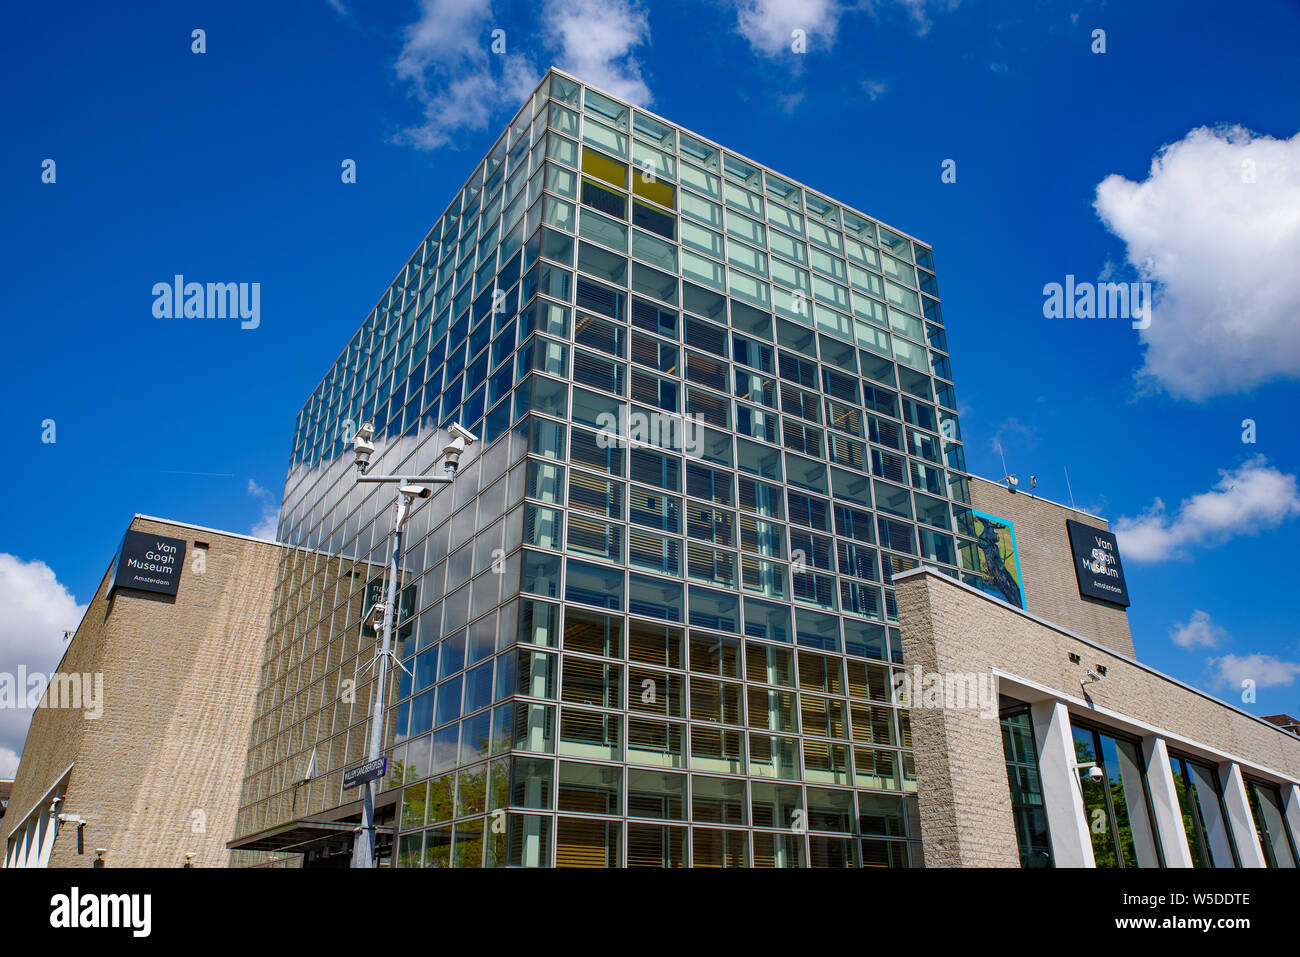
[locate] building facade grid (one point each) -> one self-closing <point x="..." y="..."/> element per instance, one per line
<point x="625" y="652"/>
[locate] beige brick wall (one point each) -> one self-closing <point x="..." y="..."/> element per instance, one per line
<point x="1047" y="564"/>
<point x="961" y="771"/>
<point x="179" y="682"/>
<point x="962" y="793"/>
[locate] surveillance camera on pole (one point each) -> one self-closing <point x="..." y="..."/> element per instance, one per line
<point x="411" y="489"/>
<point x="362" y="447"/>
<point x="462" y="438"/>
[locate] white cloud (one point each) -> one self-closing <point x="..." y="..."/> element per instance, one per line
<point x="769" y="25"/>
<point x="1198" y="632"/>
<point x="1252" y="499"/>
<point x="461" y="83"/>
<point x="875" y="89"/>
<point x="596" y="39"/>
<point x="9" y="759"/>
<point x="268" y="525"/>
<point x="37" y="610"/>
<point x="1222" y="251"/>
<point x="919" y="11"/>
<point x="1230" y="671"/>
<point x="1012" y="429"/>
<point x="790" y="102"/>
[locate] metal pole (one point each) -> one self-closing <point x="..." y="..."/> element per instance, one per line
<point x="363" y="852"/>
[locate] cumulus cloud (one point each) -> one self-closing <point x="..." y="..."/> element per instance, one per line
<point x="920" y="10"/>
<point x="1255" y="497"/>
<point x="1230" y="672"/>
<point x="37" y="611"/>
<point x="268" y="525"/>
<point x="9" y="759"/>
<point x="1216" y="226"/>
<point x="769" y="25"/>
<point x="462" y="85"/>
<point x="596" y="39"/>
<point x="1198" y="632"/>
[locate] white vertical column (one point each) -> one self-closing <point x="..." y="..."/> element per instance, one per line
<point x="35" y="831"/>
<point x="20" y="845"/>
<point x="1240" y="820"/>
<point x="51" y="829"/>
<point x="1164" y="801"/>
<point x="1062" y="795"/>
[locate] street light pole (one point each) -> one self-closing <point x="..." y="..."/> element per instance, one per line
<point x="410" y="487"/>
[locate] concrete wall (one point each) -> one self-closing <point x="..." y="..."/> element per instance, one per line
<point x="961" y="771"/>
<point x="1047" y="564"/>
<point x="158" y="774"/>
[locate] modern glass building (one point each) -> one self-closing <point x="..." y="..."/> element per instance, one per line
<point x="652" y="623"/>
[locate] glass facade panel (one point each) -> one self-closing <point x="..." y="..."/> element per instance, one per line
<point x="1116" y="804"/>
<point x="1026" y="790"/>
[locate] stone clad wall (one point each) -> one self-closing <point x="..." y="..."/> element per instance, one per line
<point x="159" y="773"/>
<point x="961" y="771"/>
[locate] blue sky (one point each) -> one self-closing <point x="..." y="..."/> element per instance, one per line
<point x="225" y="166"/>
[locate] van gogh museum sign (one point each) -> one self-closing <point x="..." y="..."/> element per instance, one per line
<point x="1097" y="564"/>
<point x="150" y="563"/>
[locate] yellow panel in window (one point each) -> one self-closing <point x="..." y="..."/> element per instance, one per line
<point x="602" y="167"/>
<point x="657" y="191"/>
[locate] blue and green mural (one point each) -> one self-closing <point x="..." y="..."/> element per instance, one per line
<point x="996" y="559"/>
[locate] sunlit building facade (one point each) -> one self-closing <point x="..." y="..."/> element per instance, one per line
<point x="652" y="623"/>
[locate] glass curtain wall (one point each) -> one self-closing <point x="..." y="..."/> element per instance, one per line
<point x="653" y="622"/>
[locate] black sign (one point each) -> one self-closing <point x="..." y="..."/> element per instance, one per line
<point x="150" y="563"/>
<point x="365" y="773"/>
<point x="1097" y="564"/>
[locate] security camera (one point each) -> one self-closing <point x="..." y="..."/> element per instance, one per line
<point x="377" y="615"/>
<point x="1013" y="480"/>
<point x="460" y="432"/>
<point x="416" y="491"/>
<point x="362" y="447"/>
<point x="1095" y="772"/>
<point x="462" y="438"/>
